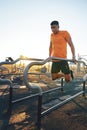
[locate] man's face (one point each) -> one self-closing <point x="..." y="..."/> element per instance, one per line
<point x="54" y="28"/>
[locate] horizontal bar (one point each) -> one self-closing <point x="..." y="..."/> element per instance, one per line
<point x="25" y="98"/>
<point x="35" y="95"/>
<point x="51" y="90"/>
<point x="7" y="62"/>
<point x="46" y="112"/>
<point x="14" y="61"/>
<point x="34" y="59"/>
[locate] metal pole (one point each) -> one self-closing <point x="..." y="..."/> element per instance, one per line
<point x="35" y="95"/>
<point x="61" y="84"/>
<point x="39" y="112"/>
<point x="10" y="99"/>
<point x="83" y="88"/>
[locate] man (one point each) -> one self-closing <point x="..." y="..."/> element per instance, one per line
<point x="58" y="48"/>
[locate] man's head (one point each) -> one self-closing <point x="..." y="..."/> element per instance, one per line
<point x="55" y="26"/>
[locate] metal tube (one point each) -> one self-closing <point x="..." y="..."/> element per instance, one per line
<point x="10" y="98"/>
<point x="61" y="84"/>
<point x="14" y="61"/>
<point x="6" y="62"/>
<point x="39" y="112"/>
<point x="83" y="88"/>
<point x="46" y="112"/>
<point x="34" y="95"/>
<point x="84" y="82"/>
<point x="25" y="98"/>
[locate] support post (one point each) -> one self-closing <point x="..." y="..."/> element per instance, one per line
<point x="61" y="84"/>
<point x="39" y="112"/>
<point x="10" y="99"/>
<point x="83" y="88"/>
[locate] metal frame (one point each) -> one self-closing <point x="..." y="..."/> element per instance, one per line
<point x="42" y="114"/>
<point x="40" y="92"/>
<point x="8" y="82"/>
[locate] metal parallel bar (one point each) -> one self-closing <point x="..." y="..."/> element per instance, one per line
<point x="33" y="59"/>
<point x="35" y="95"/>
<point x="43" y="60"/>
<point x="25" y="98"/>
<point x="51" y="90"/>
<point x="10" y="74"/>
<point x="46" y="112"/>
<point x="14" y="61"/>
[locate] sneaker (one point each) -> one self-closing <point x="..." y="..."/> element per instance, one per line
<point x="71" y="73"/>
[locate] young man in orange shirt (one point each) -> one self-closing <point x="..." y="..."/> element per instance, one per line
<point x="58" y="48"/>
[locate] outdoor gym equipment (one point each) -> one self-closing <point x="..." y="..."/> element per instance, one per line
<point x="41" y="93"/>
<point x="44" y="113"/>
<point x="5" y="81"/>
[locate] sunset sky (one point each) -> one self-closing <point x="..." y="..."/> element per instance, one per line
<point x="25" y="26"/>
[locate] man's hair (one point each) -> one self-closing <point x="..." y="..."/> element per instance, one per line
<point x="54" y="23"/>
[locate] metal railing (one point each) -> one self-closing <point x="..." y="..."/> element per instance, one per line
<point x="14" y="61"/>
<point x="9" y="82"/>
<point x="40" y="92"/>
<point x="26" y="81"/>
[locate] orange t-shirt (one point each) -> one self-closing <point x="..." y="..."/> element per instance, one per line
<point x="59" y="44"/>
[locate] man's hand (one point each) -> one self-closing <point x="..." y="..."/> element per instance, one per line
<point x="74" y="59"/>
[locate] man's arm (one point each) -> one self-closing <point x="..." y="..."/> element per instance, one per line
<point x="72" y="48"/>
<point x="50" y="48"/>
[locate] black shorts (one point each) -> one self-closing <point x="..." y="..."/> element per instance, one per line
<point x="62" y="66"/>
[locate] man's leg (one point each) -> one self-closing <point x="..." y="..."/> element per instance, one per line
<point x="55" y="71"/>
<point x="60" y="75"/>
<point x="67" y="77"/>
<point x="57" y="75"/>
<point x="71" y="73"/>
<point x="66" y="70"/>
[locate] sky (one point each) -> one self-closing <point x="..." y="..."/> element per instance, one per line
<point x="25" y="26"/>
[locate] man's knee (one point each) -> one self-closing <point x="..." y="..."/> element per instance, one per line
<point x="67" y="77"/>
<point x="54" y="76"/>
